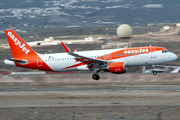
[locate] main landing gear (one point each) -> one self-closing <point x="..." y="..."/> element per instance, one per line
<point x="95" y="76"/>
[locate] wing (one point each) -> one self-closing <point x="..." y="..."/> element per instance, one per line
<point x="83" y="59"/>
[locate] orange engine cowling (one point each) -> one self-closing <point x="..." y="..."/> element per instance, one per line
<point x="117" y="67"/>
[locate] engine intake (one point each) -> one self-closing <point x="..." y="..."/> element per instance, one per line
<point x="116" y="67"/>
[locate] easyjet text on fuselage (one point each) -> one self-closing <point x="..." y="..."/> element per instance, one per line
<point x="136" y="51"/>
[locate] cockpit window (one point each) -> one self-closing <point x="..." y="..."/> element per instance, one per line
<point x="165" y="51"/>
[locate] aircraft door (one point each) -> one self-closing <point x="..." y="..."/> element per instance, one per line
<point x="39" y="61"/>
<point x="107" y="57"/>
<point x="153" y="52"/>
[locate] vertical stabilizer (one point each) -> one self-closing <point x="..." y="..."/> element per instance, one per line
<point x="17" y="45"/>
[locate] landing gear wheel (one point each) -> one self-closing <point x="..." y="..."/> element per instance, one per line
<point x="154" y="73"/>
<point x="95" y="77"/>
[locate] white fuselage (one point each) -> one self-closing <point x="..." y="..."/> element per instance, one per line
<point x="60" y="61"/>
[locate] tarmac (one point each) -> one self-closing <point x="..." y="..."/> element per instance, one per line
<point x="78" y="97"/>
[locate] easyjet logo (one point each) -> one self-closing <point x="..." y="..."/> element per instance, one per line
<point x="118" y="70"/>
<point x="136" y="51"/>
<point x="18" y="43"/>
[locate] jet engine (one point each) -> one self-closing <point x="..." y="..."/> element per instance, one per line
<point x="116" y="67"/>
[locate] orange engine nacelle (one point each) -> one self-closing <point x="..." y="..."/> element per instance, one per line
<point x="117" y="67"/>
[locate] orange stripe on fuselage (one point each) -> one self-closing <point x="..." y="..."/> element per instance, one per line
<point x="130" y="52"/>
<point x="76" y="65"/>
<point x="79" y="64"/>
<point x="80" y="60"/>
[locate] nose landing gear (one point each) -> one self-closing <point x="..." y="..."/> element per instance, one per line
<point x="153" y="71"/>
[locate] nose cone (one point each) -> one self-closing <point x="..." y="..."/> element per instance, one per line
<point x="174" y="57"/>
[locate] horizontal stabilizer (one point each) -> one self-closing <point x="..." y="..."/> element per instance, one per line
<point x="11" y="61"/>
<point x="17" y="60"/>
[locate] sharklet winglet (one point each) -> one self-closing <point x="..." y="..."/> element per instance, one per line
<point x="65" y="47"/>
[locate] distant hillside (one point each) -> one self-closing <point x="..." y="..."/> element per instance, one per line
<point x="5" y="4"/>
<point x="98" y="30"/>
<point x="138" y="15"/>
<point x="39" y="14"/>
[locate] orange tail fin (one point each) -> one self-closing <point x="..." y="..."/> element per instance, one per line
<point x="18" y="46"/>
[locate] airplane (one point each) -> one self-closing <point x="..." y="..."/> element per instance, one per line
<point x="110" y="60"/>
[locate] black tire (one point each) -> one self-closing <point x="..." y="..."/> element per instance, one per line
<point x="95" y="77"/>
<point x="154" y="72"/>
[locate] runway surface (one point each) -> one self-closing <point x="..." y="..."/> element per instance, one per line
<point x="89" y="95"/>
<point x="110" y="101"/>
<point x="101" y="88"/>
<point x="80" y="90"/>
<point x="70" y="73"/>
<point x="86" y="78"/>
